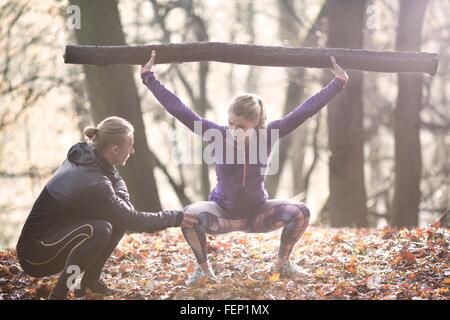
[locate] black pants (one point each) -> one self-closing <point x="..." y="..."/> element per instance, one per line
<point x="84" y="246"/>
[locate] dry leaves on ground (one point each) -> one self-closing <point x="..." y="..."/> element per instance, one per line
<point x="342" y="263"/>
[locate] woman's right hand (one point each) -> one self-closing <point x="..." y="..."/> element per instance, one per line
<point x="149" y="65"/>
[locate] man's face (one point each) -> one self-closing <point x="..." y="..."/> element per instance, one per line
<point x="122" y="152"/>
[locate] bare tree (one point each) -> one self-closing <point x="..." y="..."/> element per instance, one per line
<point x="347" y="203"/>
<point x="196" y="28"/>
<point x="20" y="91"/>
<point x="112" y="91"/>
<point x="289" y="30"/>
<point x="408" y="157"/>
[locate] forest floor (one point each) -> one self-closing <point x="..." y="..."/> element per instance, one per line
<point x="343" y="264"/>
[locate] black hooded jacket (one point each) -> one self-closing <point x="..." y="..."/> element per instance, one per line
<point x="87" y="187"/>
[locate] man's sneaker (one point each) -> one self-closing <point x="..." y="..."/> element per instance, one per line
<point x="289" y="269"/>
<point x="198" y="274"/>
<point x="54" y="296"/>
<point x="101" y="287"/>
<point x="98" y="287"/>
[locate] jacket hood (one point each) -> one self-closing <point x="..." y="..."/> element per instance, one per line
<point x="82" y="154"/>
<point x="85" y="154"/>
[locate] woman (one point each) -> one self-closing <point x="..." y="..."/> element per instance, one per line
<point x="239" y="202"/>
<point x="84" y="210"/>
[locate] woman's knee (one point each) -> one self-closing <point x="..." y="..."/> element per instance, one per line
<point x="192" y="208"/>
<point x="208" y="222"/>
<point x="195" y="206"/>
<point x="101" y="230"/>
<point x="302" y="212"/>
<point x="208" y="214"/>
<point x="205" y="206"/>
<point x="306" y="213"/>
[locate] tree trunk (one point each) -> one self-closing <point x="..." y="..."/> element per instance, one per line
<point x="379" y="61"/>
<point x="251" y="83"/>
<point x="289" y="32"/>
<point x="408" y="158"/>
<point x="200" y="101"/>
<point x="347" y="206"/>
<point x="112" y="91"/>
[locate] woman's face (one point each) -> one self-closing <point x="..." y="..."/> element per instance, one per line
<point x="121" y="153"/>
<point x="240" y="127"/>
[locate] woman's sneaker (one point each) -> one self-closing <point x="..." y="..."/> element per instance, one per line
<point x="289" y="269"/>
<point x="198" y="275"/>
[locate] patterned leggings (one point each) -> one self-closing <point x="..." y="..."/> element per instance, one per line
<point x="272" y="215"/>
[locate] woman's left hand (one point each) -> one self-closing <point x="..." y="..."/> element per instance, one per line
<point x="338" y="71"/>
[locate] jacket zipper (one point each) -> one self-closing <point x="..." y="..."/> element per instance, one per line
<point x="245" y="165"/>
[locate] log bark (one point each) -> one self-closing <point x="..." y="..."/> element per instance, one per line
<point x="352" y="59"/>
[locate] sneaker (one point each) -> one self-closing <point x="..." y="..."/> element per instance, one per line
<point x="55" y="296"/>
<point x="98" y="287"/>
<point x="198" y="274"/>
<point x="289" y="269"/>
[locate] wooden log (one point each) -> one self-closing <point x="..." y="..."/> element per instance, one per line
<point x="353" y="59"/>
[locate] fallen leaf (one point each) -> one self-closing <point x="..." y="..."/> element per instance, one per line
<point x="274" y="277"/>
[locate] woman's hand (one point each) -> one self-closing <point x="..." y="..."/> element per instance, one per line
<point x="189" y="220"/>
<point x="149" y="65"/>
<point x="338" y="71"/>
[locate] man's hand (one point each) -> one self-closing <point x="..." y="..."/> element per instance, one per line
<point x="189" y="220"/>
<point x="149" y="65"/>
<point x="338" y="71"/>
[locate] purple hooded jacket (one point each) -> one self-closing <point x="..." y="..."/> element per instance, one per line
<point x="240" y="185"/>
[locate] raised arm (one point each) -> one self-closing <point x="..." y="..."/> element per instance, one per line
<point x="313" y="104"/>
<point x="170" y="101"/>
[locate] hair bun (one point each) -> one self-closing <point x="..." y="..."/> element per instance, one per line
<point x="90" y="132"/>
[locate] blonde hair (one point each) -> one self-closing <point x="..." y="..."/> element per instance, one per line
<point x="111" y="131"/>
<point x="249" y="106"/>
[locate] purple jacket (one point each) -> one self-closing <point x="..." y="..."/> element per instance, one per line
<point x="240" y="186"/>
